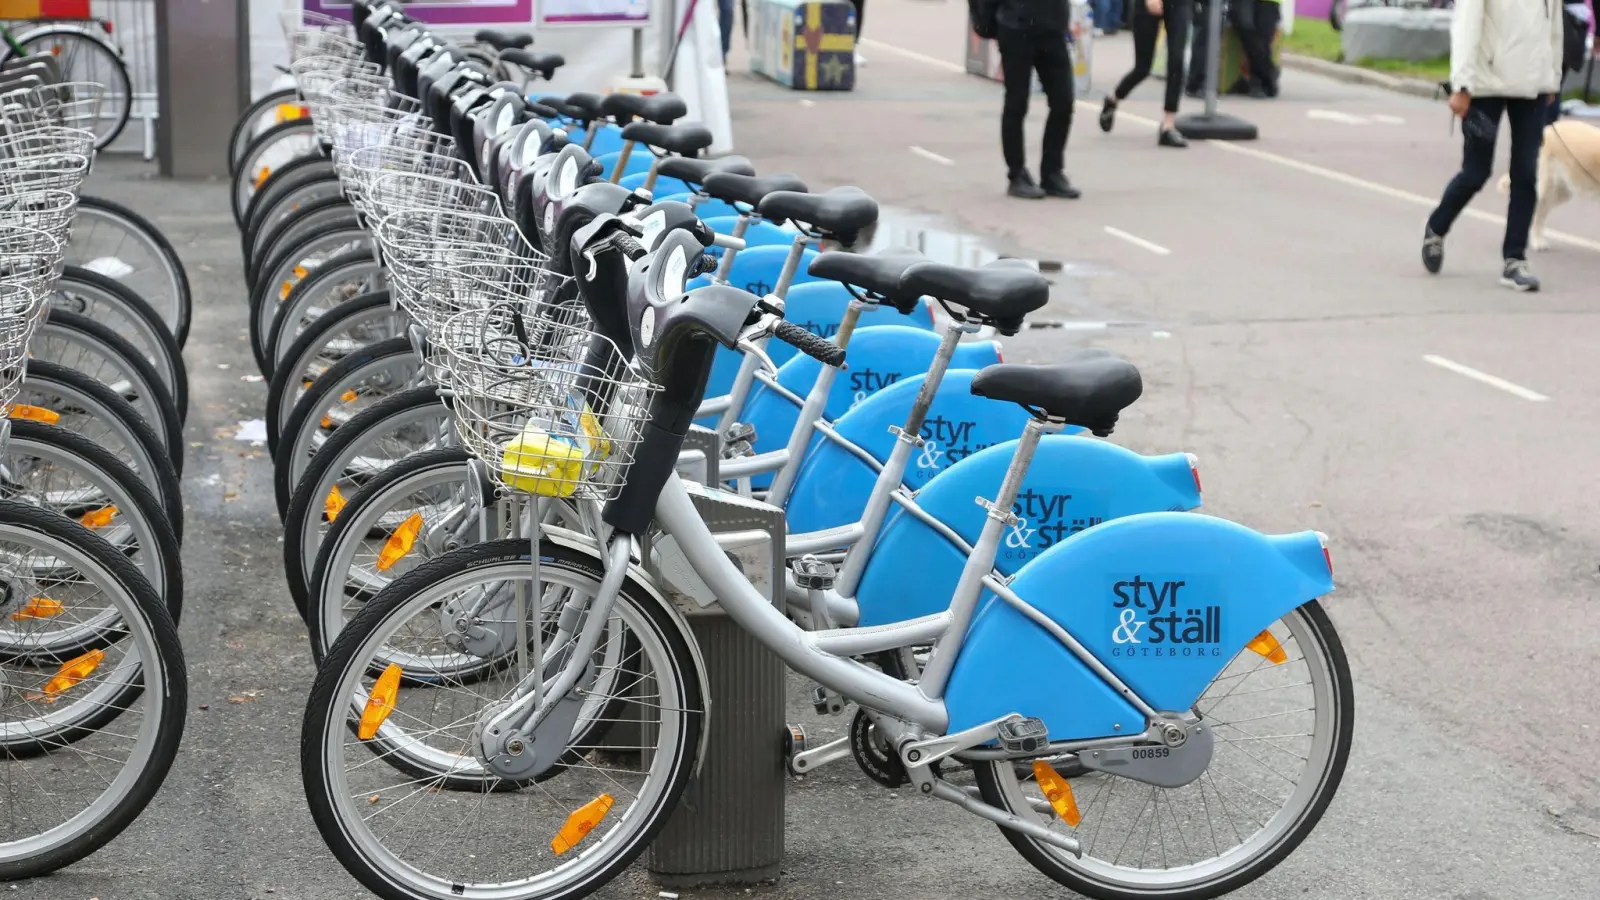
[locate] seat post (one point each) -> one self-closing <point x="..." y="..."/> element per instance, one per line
<point x="747" y="365"/>
<point x="726" y="263"/>
<point x="622" y="162"/>
<point x="816" y="400"/>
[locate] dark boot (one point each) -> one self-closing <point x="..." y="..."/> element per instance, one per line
<point x="1021" y="185"/>
<point x="1057" y="185"/>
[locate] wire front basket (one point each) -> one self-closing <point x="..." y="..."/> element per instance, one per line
<point x="20" y="306"/>
<point x="297" y="21"/>
<point x="74" y="104"/>
<point x="307" y="43"/>
<point x="40" y="172"/>
<point x="30" y="257"/>
<point x="49" y="210"/>
<point x="38" y="139"/>
<point x="550" y="406"/>
<point x="389" y="192"/>
<point x="315" y="77"/>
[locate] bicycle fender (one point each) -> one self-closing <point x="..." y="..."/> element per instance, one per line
<point x="587" y="545"/>
<point x="1164" y="600"/>
<point x="639" y="161"/>
<point x="879" y="357"/>
<point x="1074" y="484"/>
<point x="664" y="185"/>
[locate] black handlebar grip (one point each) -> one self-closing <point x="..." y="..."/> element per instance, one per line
<point x="818" y="348"/>
<point x="628" y="245"/>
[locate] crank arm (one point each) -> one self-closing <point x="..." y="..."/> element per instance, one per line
<point x="806" y="760"/>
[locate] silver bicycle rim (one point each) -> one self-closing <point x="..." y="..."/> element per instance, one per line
<point x="324" y="297"/>
<point x="288" y="146"/>
<point x="132" y="666"/>
<point x="80" y="351"/>
<point x="95" y="422"/>
<point x="89" y="300"/>
<point x="154" y="278"/>
<point x="286" y="206"/>
<point x="315" y="254"/>
<point x="1180" y="879"/>
<point x="366" y="386"/>
<point x="355" y="808"/>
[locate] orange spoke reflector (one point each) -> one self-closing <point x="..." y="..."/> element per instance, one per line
<point x="35" y="413"/>
<point x="380" y="702"/>
<point x="294" y="278"/>
<point x="288" y="112"/>
<point x="400" y="543"/>
<point x="327" y="422"/>
<point x="38" y="608"/>
<point x="348" y="396"/>
<point x="73" y="671"/>
<point x="334" y="504"/>
<point x="98" y="518"/>
<point x="582" y="821"/>
<point x="1057" y="791"/>
<point x="263" y="175"/>
<point x="1268" y="646"/>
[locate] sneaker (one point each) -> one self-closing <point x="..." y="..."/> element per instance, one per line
<point x="1432" y="250"/>
<point x="1517" y="277"/>
<point x="1022" y="186"/>
<point x="1171" y="138"/>
<point x="1108" y="114"/>
<point x="1057" y="185"/>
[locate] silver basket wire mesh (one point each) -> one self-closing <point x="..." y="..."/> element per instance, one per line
<point x="314" y="76"/>
<point x="423" y="249"/>
<point x="19" y="139"/>
<point x="306" y="43"/>
<point x="407" y="147"/>
<point x="30" y="257"/>
<point x="391" y="192"/>
<point x="550" y="406"/>
<point x="43" y="172"/>
<point x="75" y="104"/>
<point x="297" y="21"/>
<point x="20" y="307"/>
<point x="436" y="290"/>
<point x="400" y="175"/>
<point x="49" y="210"/>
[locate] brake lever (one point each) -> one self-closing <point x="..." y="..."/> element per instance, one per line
<point x="749" y="346"/>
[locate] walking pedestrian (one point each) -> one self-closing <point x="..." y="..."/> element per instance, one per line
<point x="1032" y="37"/>
<point x="1148" y="20"/>
<point x="1505" y="58"/>
<point x="1107" y="17"/>
<point x="861" y="15"/>
<point x="1196" y="82"/>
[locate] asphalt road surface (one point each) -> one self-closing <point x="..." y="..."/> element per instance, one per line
<point x="1440" y="430"/>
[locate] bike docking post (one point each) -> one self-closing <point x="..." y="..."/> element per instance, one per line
<point x="1212" y="125"/>
<point x="728" y="828"/>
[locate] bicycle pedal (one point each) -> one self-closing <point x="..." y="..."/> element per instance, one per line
<point x="739" y="431"/>
<point x="813" y="574"/>
<point x="1021" y="735"/>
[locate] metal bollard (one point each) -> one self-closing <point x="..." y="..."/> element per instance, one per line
<point x="728" y="828"/>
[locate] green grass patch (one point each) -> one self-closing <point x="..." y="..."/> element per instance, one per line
<point x="1317" y="39"/>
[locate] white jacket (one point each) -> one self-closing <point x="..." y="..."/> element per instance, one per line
<point x="1506" y="48"/>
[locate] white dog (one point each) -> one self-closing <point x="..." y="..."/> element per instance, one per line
<point x="1569" y="165"/>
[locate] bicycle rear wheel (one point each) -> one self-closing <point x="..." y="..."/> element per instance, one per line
<point x="261" y="115"/>
<point x="136" y="679"/>
<point x="117" y="242"/>
<point x="1243" y="815"/>
<point x="86" y="57"/>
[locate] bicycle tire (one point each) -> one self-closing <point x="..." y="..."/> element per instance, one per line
<point x="167" y="674"/>
<point x="328" y="711"/>
<point x="308" y="599"/>
<point x="108" y="51"/>
<point x="287" y="379"/>
<point x="241" y="134"/>
<point x="182" y="302"/>
<point x="262" y="214"/>
<point x="149" y="386"/>
<point x="243" y="187"/>
<point x="332" y="236"/>
<point x="165" y="355"/>
<point x="168" y="540"/>
<point x="1322" y="629"/>
<point x="163" y="475"/>
<point x="315" y="403"/>
<point x="309" y="219"/>
<point x="306" y="502"/>
<point x="356" y="267"/>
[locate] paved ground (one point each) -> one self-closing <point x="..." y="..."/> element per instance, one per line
<point x="1271" y="294"/>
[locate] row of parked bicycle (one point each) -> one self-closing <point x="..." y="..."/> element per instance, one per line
<point x="94" y="309"/>
<point x="523" y="348"/>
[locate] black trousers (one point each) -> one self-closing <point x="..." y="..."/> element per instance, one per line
<point x="1526" y="117"/>
<point x="1196" y="81"/>
<point x="1257" y="22"/>
<point x="1175" y="17"/>
<point x="1023" y="53"/>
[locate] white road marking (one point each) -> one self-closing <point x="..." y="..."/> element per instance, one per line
<point x="1383" y="119"/>
<point x="1308" y="168"/>
<point x="929" y="154"/>
<point x="912" y="54"/>
<point x="1486" y="378"/>
<point x="1137" y="241"/>
<point x="807" y="103"/>
<point x="1328" y="115"/>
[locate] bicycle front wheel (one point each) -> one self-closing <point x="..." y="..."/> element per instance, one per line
<point x="72" y="784"/>
<point x="384" y="823"/>
<point x="86" y="57"/>
<point x="1281" y="729"/>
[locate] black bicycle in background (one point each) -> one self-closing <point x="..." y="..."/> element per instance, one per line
<point x="1341" y="8"/>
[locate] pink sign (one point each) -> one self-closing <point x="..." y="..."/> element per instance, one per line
<point x="445" y="12"/>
